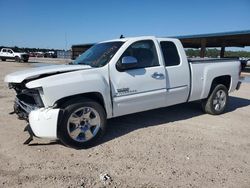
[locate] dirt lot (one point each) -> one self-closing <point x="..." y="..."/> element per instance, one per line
<point x="177" y="146"/>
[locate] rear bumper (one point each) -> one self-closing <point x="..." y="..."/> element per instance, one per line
<point x="43" y="122"/>
<point x="238" y="85"/>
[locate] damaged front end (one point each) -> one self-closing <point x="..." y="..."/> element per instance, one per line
<point x="26" y="100"/>
<point x="32" y="103"/>
<point x="28" y="105"/>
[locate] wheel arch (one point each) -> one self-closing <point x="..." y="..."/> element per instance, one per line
<point x="96" y="96"/>
<point x="224" y="80"/>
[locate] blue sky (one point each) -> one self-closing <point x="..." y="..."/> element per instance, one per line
<point x="47" y="23"/>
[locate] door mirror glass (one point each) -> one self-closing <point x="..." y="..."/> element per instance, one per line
<point x="128" y="62"/>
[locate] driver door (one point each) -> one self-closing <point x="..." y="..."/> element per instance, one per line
<point x="10" y="54"/>
<point x="142" y="87"/>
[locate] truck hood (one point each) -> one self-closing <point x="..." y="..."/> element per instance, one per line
<point x="32" y="73"/>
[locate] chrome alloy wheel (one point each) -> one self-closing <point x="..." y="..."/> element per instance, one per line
<point x="83" y="124"/>
<point x="219" y="101"/>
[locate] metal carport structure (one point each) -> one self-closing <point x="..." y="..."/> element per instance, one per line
<point x="202" y="41"/>
<point x="222" y="40"/>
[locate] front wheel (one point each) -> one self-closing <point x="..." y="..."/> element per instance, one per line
<point x="82" y="124"/>
<point x="216" y="102"/>
<point x="17" y="59"/>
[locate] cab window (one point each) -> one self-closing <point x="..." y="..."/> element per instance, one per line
<point x="145" y="53"/>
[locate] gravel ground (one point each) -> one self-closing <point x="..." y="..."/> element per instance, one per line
<point x="178" y="146"/>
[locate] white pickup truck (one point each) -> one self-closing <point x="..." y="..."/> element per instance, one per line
<point x="114" y="78"/>
<point x="7" y="53"/>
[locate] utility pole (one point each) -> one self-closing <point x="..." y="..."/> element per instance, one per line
<point x="66" y="44"/>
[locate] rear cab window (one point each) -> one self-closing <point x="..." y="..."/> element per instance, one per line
<point x="170" y="53"/>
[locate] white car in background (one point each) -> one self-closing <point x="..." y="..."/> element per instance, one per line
<point x="8" y="53"/>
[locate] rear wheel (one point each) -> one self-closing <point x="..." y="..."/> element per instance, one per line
<point x="3" y="59"/>
<point x="82" y="124"/>
<point x="216" y="103"/>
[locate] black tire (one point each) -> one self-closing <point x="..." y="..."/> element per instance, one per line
<point x="17" y="59"/>
<point x="3" y="59"/>
<point x="25" y="60"/>
<point x="215" y="104"/>
<point x="65" y="126"/>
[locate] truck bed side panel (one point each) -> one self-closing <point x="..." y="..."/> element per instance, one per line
<point x="203" y="75"/>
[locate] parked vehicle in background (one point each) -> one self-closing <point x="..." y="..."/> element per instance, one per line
<point x="31" y="54"/>
<point x="51" y="54"/>
<point x="115" y="78"/>
<point x="243" y="62"/>
<point x="248" y="62"/>
<point x="39" y="54"/>
<point x="8" y="53"/>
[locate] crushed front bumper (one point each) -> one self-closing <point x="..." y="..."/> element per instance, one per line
<point x="43" y="122"/>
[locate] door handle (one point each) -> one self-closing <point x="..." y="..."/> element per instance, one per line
<point x="157" y="75"/>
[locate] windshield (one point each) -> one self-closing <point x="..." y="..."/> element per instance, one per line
<point x="99" y="54"/>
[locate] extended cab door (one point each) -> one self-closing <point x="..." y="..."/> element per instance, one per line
<point x="142" y="87"/>
<point x="177" y="71"/>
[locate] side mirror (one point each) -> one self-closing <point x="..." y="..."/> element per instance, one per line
<point x="128" y="62"/>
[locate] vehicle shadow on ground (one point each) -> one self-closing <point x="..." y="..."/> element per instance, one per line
<point x="56" y="142"/>
<point x="123" y="125"/>
<point x="235" y="103"/>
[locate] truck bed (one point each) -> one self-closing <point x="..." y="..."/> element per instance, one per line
<point x="204" y="70"/>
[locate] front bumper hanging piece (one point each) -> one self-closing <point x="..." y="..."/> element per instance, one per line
<point x="31" y="134"/>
